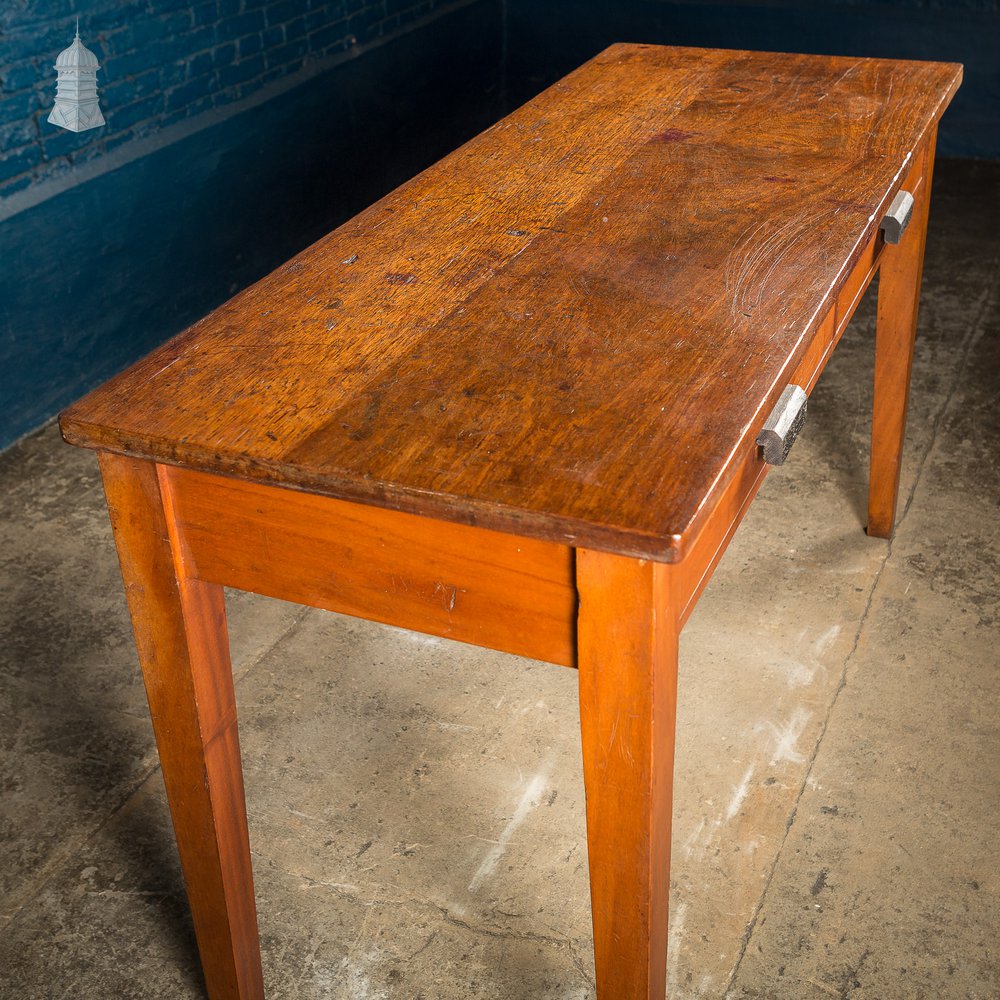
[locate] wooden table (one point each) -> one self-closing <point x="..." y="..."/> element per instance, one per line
<point x="516" y="403"/>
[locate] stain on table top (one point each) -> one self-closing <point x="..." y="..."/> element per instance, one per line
<point x="568" y="327"/>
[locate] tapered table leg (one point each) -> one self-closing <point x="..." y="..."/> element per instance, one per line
<point x="900" y="273"/>
<point x="180" y="632"/>
<point x="628" y="682"/>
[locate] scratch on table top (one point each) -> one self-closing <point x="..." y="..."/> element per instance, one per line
<point x="170" y="364"/>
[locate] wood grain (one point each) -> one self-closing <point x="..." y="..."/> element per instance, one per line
<point x="513" y="594"/>
<point x="566" y="329"/>
<point x="896" y="326"/>
<point x="180" y="633"/>
<point x="628" y="698"/>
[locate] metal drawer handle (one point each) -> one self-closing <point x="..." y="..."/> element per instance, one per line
<point x="894" y="224"/>
<point x="783" y="425"/>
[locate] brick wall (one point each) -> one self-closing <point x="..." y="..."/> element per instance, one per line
<point x="163" y="61"/>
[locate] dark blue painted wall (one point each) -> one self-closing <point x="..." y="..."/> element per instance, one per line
<point x="547" y="38"/>
<point x="95" y="277"/>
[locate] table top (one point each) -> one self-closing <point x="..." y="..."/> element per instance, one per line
<point x="568" y="327"/>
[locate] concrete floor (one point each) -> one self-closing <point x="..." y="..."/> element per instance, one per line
<point x="416" y="806"/>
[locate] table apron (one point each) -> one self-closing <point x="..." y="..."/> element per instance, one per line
<point x="472" y="584"/>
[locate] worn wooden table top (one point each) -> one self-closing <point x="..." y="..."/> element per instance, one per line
<point x="568" y="327"/>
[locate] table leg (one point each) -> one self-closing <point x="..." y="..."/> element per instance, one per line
<point x="898" y="298"/>
<point x="180" y="632"/>
<point x="628" y="682"/>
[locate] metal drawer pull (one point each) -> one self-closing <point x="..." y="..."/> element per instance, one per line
<point x="894" y="224"/>
<point x="783" y="425"/>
